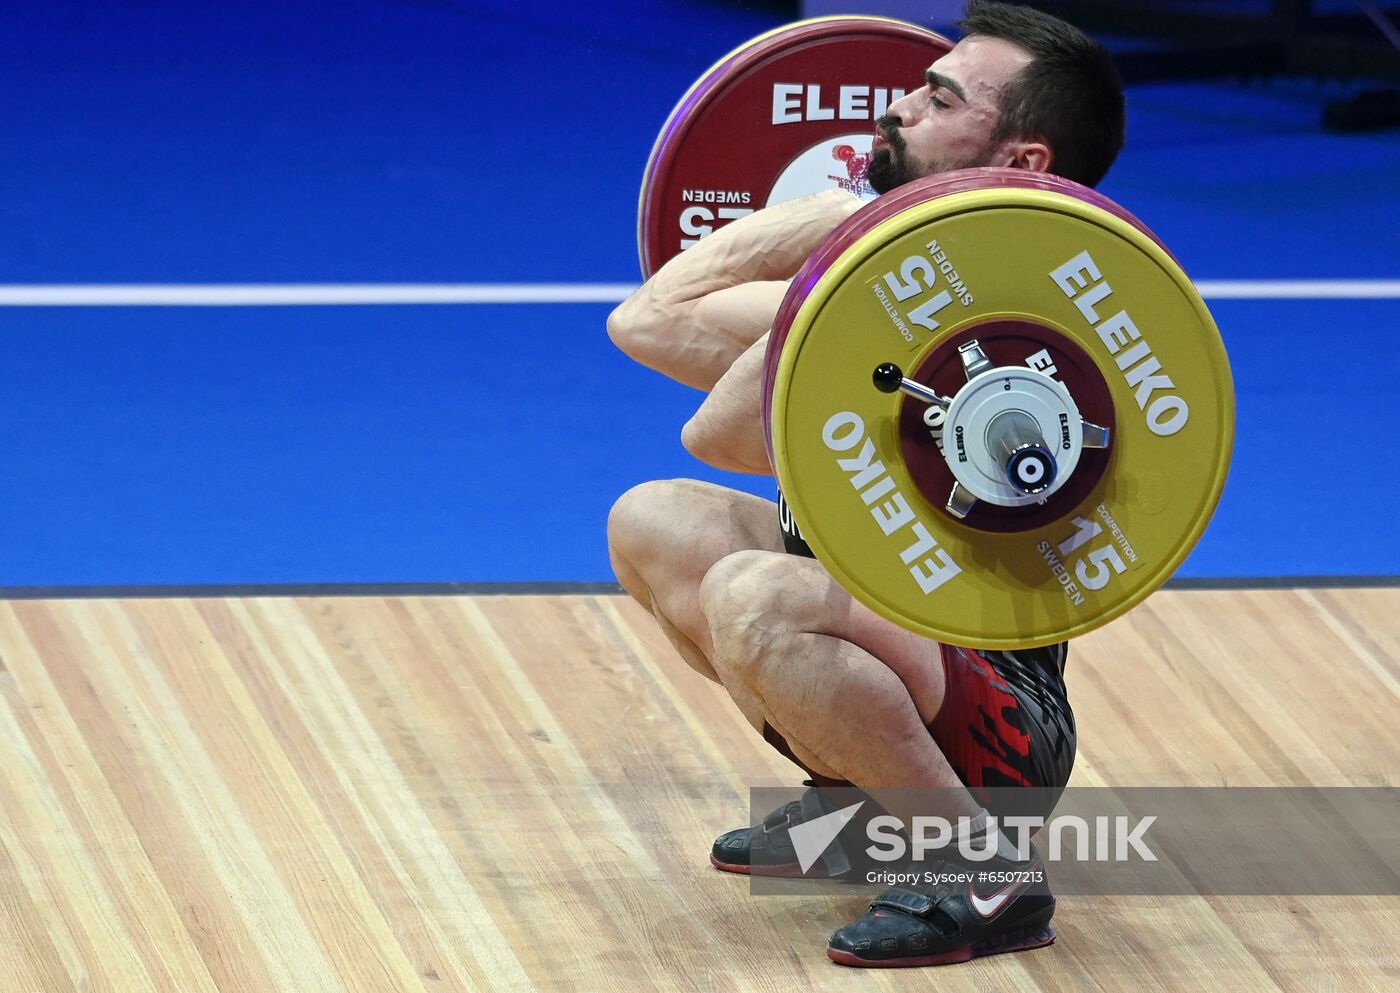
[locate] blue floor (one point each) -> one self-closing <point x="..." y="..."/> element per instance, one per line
<point x="453" y="142"/>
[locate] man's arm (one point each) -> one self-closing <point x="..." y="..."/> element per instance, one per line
<point x="699" y="313"/>
<point x="727" y="431"/>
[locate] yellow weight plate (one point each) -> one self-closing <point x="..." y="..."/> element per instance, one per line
<point x="933" y="271"/>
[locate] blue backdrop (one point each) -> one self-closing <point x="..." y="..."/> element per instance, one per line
<point x="462" y="142"/>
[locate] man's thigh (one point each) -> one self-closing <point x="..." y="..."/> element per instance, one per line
<point x="755" y="600"/>
<point x="998" y="722"/>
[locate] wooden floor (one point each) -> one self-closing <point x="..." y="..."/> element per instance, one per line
<point x="443" y="794"/>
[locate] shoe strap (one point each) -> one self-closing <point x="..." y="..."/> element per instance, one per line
<point x="918" y="904"/>
<point x="834" y="859"/>
<point x="778" y="818"/>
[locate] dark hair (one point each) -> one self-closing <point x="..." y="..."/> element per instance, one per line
<point x="1070" y="95"/>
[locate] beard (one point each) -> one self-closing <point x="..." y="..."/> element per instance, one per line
<point x="890" y="167"/>
<point x="893" y="166"/>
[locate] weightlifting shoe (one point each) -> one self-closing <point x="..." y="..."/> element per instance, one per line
<point x="964" y="911"/>
<point x="767" y="850"/>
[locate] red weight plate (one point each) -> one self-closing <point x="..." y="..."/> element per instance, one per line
<point x="877" y="212"/>
<point x="791" y="112"/>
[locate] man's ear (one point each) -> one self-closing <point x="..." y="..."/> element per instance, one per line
<point x="1033" y="155"/>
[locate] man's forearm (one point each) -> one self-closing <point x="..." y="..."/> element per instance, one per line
<point x="769" y="244"/>
<point x="695" y="316"/>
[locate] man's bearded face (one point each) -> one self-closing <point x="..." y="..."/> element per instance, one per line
<point x="894" y="166"/>
<point x="949" y="122"/>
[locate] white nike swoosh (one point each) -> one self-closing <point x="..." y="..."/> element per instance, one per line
<point x="986" y="907"/>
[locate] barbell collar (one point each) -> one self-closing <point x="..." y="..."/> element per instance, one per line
<point x="1095" y="435"/>
<point x="974" y="360"/>
<point x="889" y="378"/>
<point x="961" y="501"/>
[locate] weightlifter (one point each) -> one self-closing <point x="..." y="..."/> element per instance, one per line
<point x="848" y="695"/>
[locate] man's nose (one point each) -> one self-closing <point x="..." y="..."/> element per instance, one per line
<point x="901" y="108"/>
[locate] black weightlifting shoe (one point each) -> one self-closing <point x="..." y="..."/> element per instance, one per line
<point x="767" y="850"/>
<point x="1007" y="908"/>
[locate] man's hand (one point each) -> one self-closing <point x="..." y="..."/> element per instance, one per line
<point x="706" y="306"/>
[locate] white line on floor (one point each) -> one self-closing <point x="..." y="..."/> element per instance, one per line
<point x="1299" y="289"/>
<point x="304" y="294"/>
<point x="360" y="294"/>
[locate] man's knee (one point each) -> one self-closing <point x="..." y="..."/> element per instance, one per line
<point x="642" y="517"/>
<point x="752" y="601"/>
<point x="741" y="585"/>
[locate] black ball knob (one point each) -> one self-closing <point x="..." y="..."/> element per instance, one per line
<point x="887" y="377"/>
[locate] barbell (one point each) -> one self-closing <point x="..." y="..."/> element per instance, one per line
<point x="998" y="408"/>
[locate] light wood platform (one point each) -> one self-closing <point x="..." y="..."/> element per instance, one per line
<point x="444" y="794"/>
